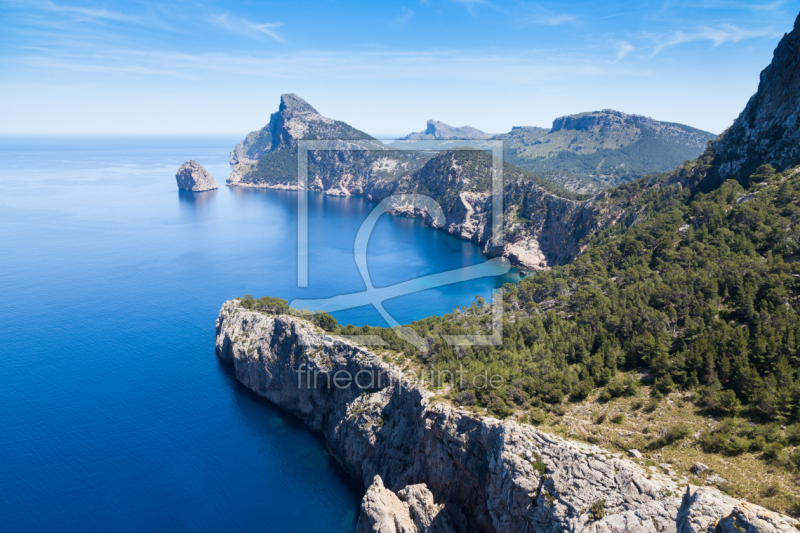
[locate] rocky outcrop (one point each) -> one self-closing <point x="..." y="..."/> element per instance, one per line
<point x="276" y="144"/>
<point x="767" y="131"/>
<point x="191" y="176"/>
<point x="479" y="474"/>
<point x="411" y="510"/>
<point x="440" y="130"/>
<point x="705" y="510"/>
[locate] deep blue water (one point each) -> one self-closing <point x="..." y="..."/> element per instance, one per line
<point x="116" y="414"/>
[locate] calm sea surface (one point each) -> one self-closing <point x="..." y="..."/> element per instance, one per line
<point x="115" y="414"/>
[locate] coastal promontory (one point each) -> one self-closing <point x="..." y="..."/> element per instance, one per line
<point x="191" y="176"/>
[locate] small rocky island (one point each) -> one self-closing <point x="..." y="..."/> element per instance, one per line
<point x="191" y="176"/>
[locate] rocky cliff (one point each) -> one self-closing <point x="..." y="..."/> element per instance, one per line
<point x="268" y="157"/>
<point x="431" y="467"/>
<point x="440" y="130"/>
<point x="542" y="227"/>
<point x="545" y="225"/>
<point x="767" y="131"/>
<point x="191" y="176"/>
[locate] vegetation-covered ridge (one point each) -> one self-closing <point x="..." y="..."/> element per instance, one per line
<point x="694" y="293"/>
<point x="592" y="151"/>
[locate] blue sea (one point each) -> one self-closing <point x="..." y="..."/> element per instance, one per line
<point x="115" y="412"/>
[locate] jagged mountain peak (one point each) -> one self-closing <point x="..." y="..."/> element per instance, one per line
<point x="768" y="130"/>
<point x="292" y="105"/>
<point x="276" y="143"/>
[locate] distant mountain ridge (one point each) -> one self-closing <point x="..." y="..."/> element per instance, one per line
<point x="596" y="150"/>
<point x="440" y="130"/>
<point x="545" y="222"/>
<point x="460" y="181"/>
<point x="585" y="152"/>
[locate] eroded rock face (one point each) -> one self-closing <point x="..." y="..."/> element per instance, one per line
<point x="191" y="176"/>
<point x="767" y="130"/>
<point x="481" y="474"/>
<point x="705" y="510"/>
<point x="411" y="510"/>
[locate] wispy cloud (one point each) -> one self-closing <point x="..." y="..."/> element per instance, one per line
<point x="747" y="6"/>
<point x="406" y="16"/>
<point x="470" y="5"/>
<point x="241" y="25"/>
<point x="726" y="33"/>
<point x="625" y="48"/>
<point x="526" y="66"/>
<point x="47" y="14"/>
<point x="87" y="13"/>
<point x="538" y="14"/>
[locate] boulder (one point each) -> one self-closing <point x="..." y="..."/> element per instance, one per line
<point x="636" y="454"/>
<point x="191" y="176"/>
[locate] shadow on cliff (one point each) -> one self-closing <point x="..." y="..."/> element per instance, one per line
<point x="257" y="410"/>
<point x="449" y="455"/>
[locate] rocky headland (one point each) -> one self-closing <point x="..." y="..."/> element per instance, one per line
<point x="191" y="176"/>
<point x="542" y="227"/>
<point x="431" y="467"/>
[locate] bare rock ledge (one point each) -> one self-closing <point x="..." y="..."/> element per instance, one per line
<point x="429" y="467"/>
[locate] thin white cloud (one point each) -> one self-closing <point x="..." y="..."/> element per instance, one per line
<point x="88" y="14"/>
<point x="244" y="26"/>
<point x="625" y="48"/>
<point x="47" y="14"/>
<point x="558" y="20"/>
<point x="406" y="16"/>
<point x="727" y="33"/>
<point x="747" y="6"/>
<point x="540" y="15"/>
<point x="470" y="5"/>
<point x="527" y="66"/>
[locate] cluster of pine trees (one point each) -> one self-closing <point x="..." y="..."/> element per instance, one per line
<point x="695" y="291"/>
<point x="691" y="291"/>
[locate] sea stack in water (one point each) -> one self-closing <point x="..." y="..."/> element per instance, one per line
<point x="193" y="177"/>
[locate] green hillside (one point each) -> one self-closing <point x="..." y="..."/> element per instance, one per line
<point x="593" y="151"/>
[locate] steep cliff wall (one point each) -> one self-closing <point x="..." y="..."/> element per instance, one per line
<point x="467" y="473"/>
<point x="768" y="130"/>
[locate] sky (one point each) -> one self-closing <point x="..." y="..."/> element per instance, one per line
<point x="194" y="67"/>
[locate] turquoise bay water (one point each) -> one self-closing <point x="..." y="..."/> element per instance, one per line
<point x="116" y="414"/>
